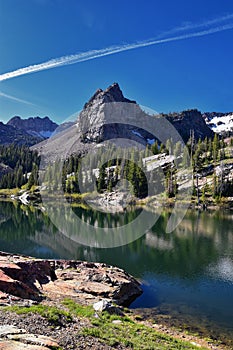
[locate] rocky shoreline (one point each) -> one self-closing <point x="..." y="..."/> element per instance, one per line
<point x="117" y="201"/>
<point x="34" y="285"/>
<point x="24" y="279"/>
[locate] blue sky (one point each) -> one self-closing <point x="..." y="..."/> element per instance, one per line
<point x="196" y="72"/>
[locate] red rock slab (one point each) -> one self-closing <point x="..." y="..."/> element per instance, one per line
<point x="34" y="340"/>
<point x="8" y="265"/>
<point x="96" y="288"/>
<point x="28" y="278"/>
<point x="5" y="278"/>
<point x="15" y="345"/>
<point x="3" y="295"/>
<point x="16" y="288"/>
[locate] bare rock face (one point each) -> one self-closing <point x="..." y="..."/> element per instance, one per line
<point x="108" y="115"/>
<point x="190" y="120"/>
<point x="35" y="279"/>
<point x="112" y="94"/>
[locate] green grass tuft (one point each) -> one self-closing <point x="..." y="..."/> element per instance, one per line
<point x="53" y="314"/>
<point x="77" y="309"/>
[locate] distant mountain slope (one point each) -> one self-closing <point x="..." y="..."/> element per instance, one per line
<point x="27" y="131"/>
<point x="35" y="126"/>
<point x="190" y="120"/>
<point x="9" y="134"/>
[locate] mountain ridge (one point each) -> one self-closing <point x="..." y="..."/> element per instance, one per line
<point x="94" y="123"/>
<point x="26" y="131"/>
<point x="94" y="115"/>
<point x="108" y="115"/>
<point x="36" y="126"/>
<point x="9" y="134"/>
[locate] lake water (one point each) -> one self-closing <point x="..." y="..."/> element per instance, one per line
<point x="187" y="275"/>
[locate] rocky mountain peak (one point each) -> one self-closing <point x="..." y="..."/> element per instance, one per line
<point x="106" y="116"/>
<point x="124" y="124"/>
<point x="112" y="94"/>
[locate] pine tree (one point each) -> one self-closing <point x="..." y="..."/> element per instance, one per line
<point x="186" y="158"/>
<point x="169" y="146"/>
<point x="155" y="147"/>
<point x="19" y="181"/>
<point x="101" y="179"/>
<point x="215" y="147"/>
<point x="33" y="178"/>
<point x="177" y="149"/>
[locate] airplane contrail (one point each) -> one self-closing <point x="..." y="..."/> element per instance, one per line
<point x="191" y="26"/>
<point x="93" y="54"/>
<point x="16" y="99"/>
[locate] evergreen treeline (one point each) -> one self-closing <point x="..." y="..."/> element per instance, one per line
<point x="209" y="156"/>
<point x="94" y="172"/>
<point x="21" y="161"/>
<point x="102" y="169"/>
<point x="111" y="166"/>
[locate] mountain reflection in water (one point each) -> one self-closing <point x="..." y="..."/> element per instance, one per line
<point x="188" y="271"/>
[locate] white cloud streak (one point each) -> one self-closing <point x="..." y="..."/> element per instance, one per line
<point x="93" y="54"/>
<point x="16" y="99"/>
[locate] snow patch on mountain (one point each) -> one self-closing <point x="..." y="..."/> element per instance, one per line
<point x="44" y="134"/>
<point x="150" y="141"/>
<point x="137" y="133"/>
<point x="220" y="124"/>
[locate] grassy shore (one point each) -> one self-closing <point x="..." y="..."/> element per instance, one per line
<point x="117" y="332"/>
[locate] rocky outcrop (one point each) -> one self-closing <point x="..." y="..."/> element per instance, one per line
<point x="5" y="169"/>
<point x="29" y="279"/>
<point x="23" y="278"/>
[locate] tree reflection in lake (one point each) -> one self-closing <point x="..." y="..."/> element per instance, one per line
<point x="190" y="269"/>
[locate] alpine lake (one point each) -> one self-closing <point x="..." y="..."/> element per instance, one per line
<point x="187" y="274"/>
